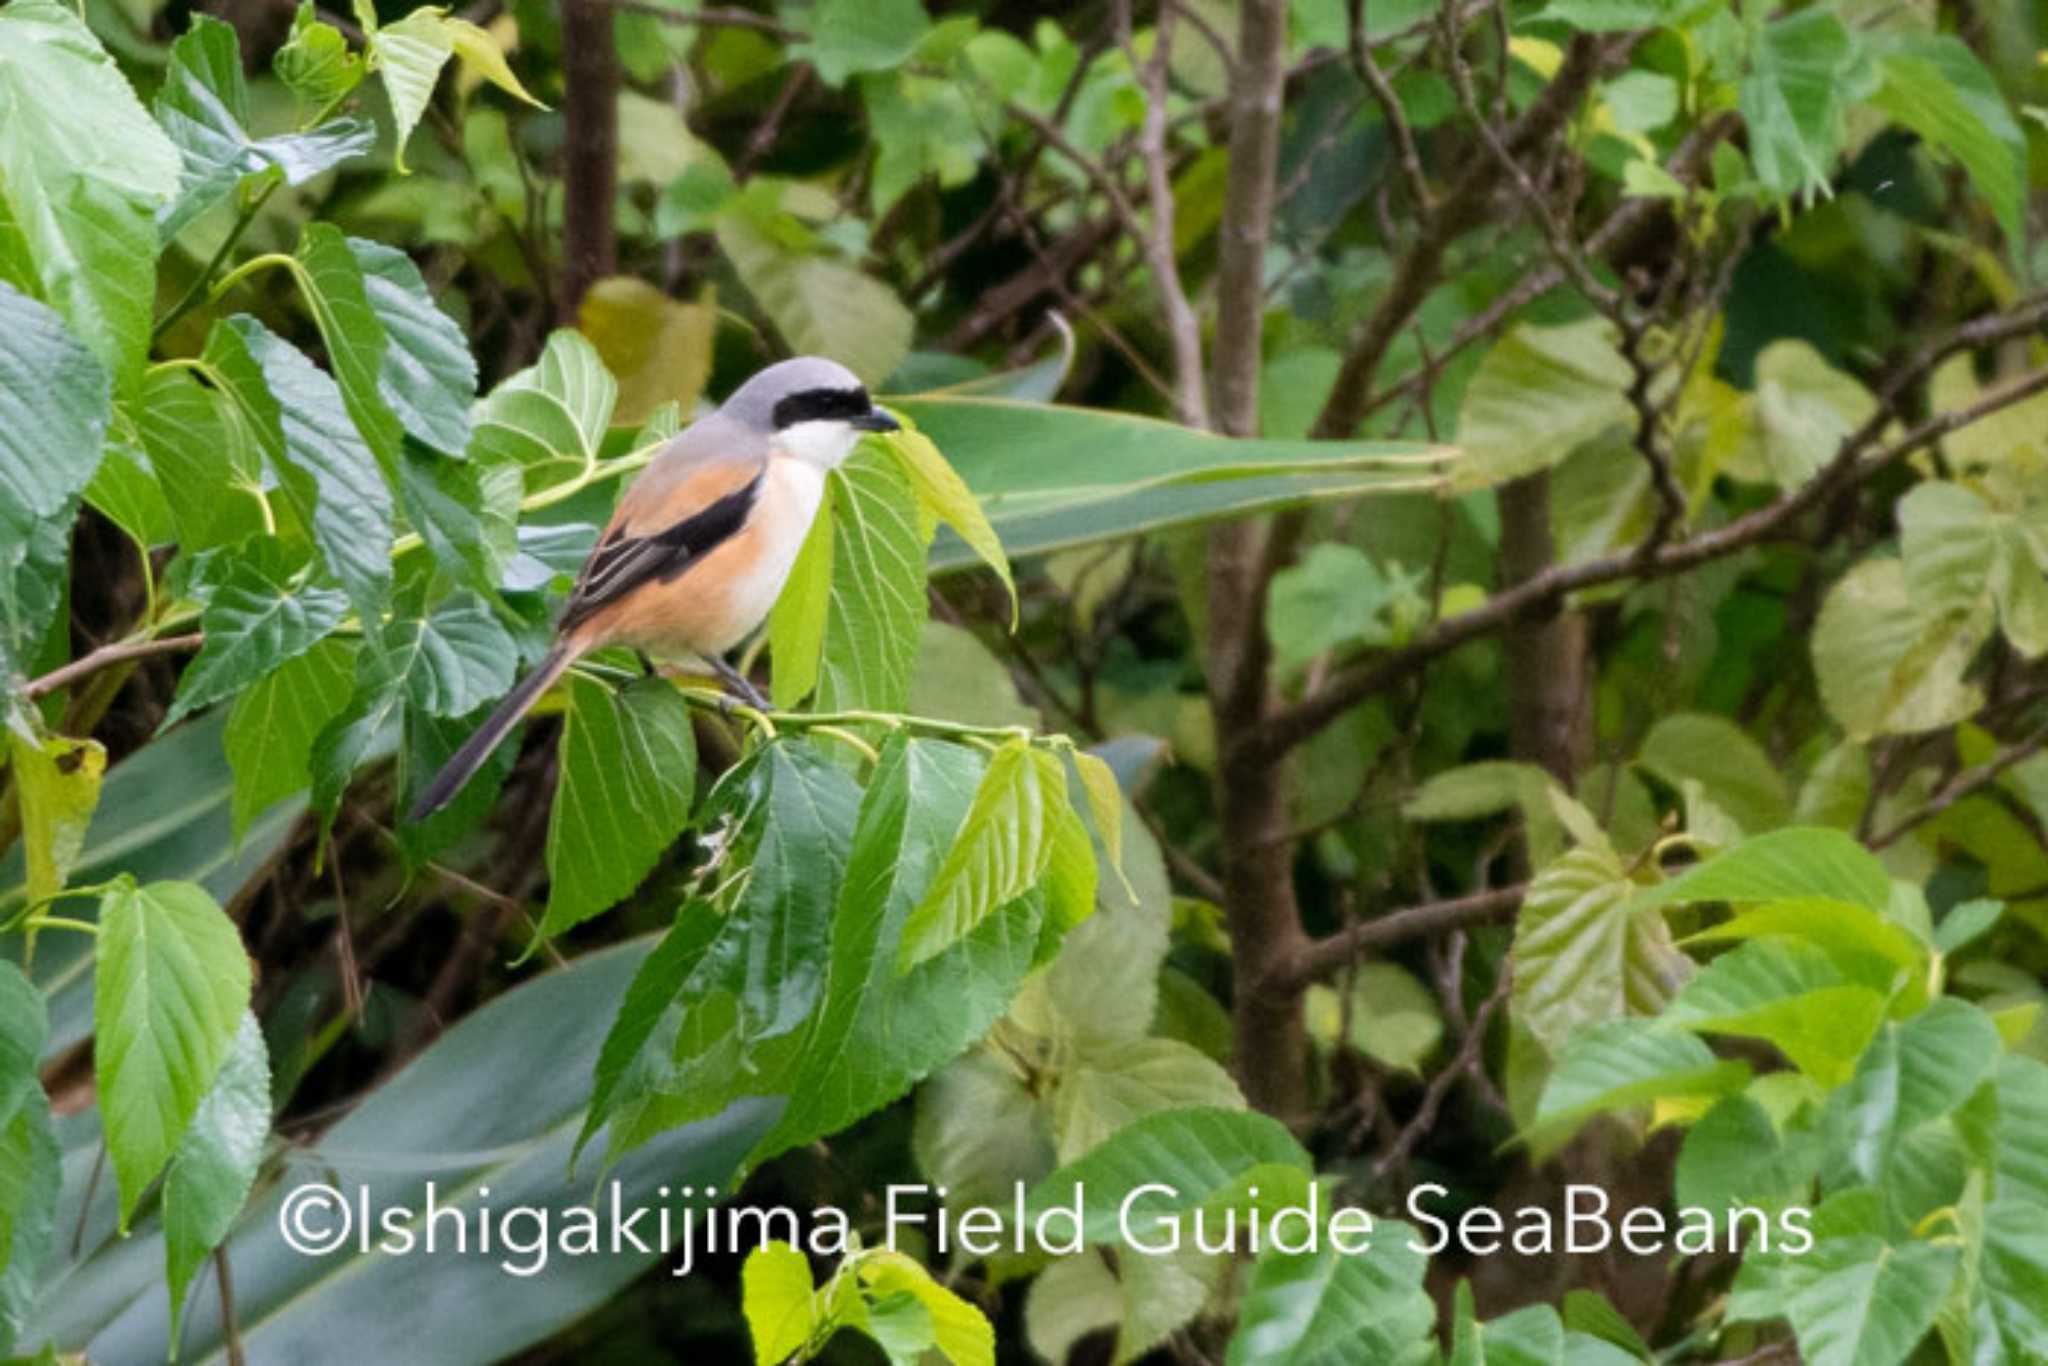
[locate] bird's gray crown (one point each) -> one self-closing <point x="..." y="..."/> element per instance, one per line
<point x="800" y="390"/>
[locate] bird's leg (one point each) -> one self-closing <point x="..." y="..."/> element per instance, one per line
<point x="736" y="683"/>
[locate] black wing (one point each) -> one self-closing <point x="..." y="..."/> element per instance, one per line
<point x="622" y="563"/>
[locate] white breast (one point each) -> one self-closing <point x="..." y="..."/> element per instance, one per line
<point x="791" y="491"/>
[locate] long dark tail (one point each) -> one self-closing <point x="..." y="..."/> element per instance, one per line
<point x="478" y="747"/>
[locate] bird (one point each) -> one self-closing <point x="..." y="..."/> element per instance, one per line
<point x="701" y="542"/>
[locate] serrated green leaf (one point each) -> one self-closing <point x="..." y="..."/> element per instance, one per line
<point x="1193" y="1154"/>
<point x="555" y="409"/>
<point x="1800" y="864"/>
<point x="426" y="375"/>
<point x="877" y="598"/>
<point x="1732" y="769"/>
<point x="1539" y="394"/>
<point x="273" y="725"/>
<point x="296" y="416"/>
<point x="1329" y="1308"/>
<point x="629" y="768"/>
<point x="796" y="624"/>
<point x="1618" y="1064"/>
<point x="54" y="410"/>
<point x="1914" y="1072"/>
<point x="1585" y="950"/>
<point x="1789" y="994"/>
<point x="944" y="495"/>
<point x="879" y="1031"/>
<point x="1000" y="853"/>
<point x="315" y="63"/>
<point x="1805" y="70"/>
<point x="1934" y="84"/>
<point x="215" y="1164"/>
<point x="1111" y="1085"/>
<point x="31" y="1180"/>
<point x="409" y="55"/>
<point x="170" y="989"/>
<point x="260" y="612"/>
<point x="83" y="170"/>
<point x="204" y="457"/>
<point x="1962" y="556"/>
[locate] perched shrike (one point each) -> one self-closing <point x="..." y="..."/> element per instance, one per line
<point x="702" y="542"/>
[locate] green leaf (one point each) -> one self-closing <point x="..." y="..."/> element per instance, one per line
<point x="1111" y="1085"/>
<point x="53" y="423"/>
<point x="878" y="1031"/>
<point x="959" y="1332"/>
<point x="1805" y="70"/>
<point x="851" y="36"/>
<point x="1853" y="1298"/>
<point x="315" y="63"/>
<point x="205" y="457"/>
<point x="1616" y="16"/>
<point x="2014" y="1271"/>
<point x="1002" y="850"/>
<point x="1962" y="556"/>
<point x="1618" y="1064"/>
<point x="1335" y="596"/>
<point x="203" y="105"/>
<point x="1538" y="395"/>
<point x="1801" y="864"/>
<point x="979" y="1133"/>
<point x="1934" y="84"/>
<point x="1966" y="923"/>
<point x="1105" y="805"/>
<point x="1732" y="769"/>
<point x="776" y="1295"/>
<point x="1070" y="873"/>
<point x="1791" y="995"/>
<point x="1199" y="1153"/>
<point x="878" y="602"/>
<point x="944" y="495"/>
<point x="720" y="1009"/>
<point x="1735" y="1156"/>
<point x="821" y="306"/>
<point x="1804" y="409"/>
<point x="1050" y="476"/>
<point x="261" y="611"/>
<point x="1586" y="951"/>
<point x="24" y="1025"/>
<point x="31" y="1180"/>
<point x="82" y="171"/>
<point x="1914" y="1072"/>
<point x="215" y="1164"/>
<point x="797" y="621"/>
<point x="1330" y="1308"/>
<point x="451" y="661"/>
<point x="480" y="53"/>
<point x="170" y="989"/>
<point x="1393" y="1018"/>
<point x="1487" y="788"/>
<point x="329" y="478"/>
<point x="427" y="376"/>
<point x="274" y="723"/>
<point x="409" y="55"/>
<point x="555" y="409"/>
<point x="56" y="784"/>
<point x="629" y="767"/>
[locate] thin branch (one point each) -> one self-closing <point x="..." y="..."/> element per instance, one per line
<point x="708" y="18"/>
<point x="1467" y="1061"/>
<point x="1291" y="725"/>
<point x="1964" y="784"/>
<point x="109" y="655"/>
<point x="1382" y="90"/>
<point x="1328" y="956"/>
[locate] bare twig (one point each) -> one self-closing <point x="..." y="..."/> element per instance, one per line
<point x="109" y="655"/>
<point x="1291" y="725"/>
<point x="708" y="18"/>
<point x="1327" y="956"/>
<point x="1964" y="784"/>
<point x="1396" y="118"/>
<point x="1467" y="1061"/>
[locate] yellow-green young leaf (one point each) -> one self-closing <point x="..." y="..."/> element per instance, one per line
<point x="959" y="1331"/>
<point x="1106" y="809"/>
<point x="776" y="1295"/>
<point x="480" y="52"/>
<point x="1000" y="853"/>
<point x="878" y="603"/>
<point x="410" y="55"/>
<point x="57" y="784"/>
<point x="945" y="495"/>
<point x="169" y="991"/>
<point x="796" y="625"/>
<point x="1070" y="874"/>
<point x="629" y="768"/>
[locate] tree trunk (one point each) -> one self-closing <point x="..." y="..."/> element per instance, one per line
<point x="1549" y="701"/>
<point x="590" y="69"/>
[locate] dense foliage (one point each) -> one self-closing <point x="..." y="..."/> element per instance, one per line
<point x="1453" y="639"/>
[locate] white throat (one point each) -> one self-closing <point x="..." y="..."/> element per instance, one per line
<point x="824" y="442"/>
